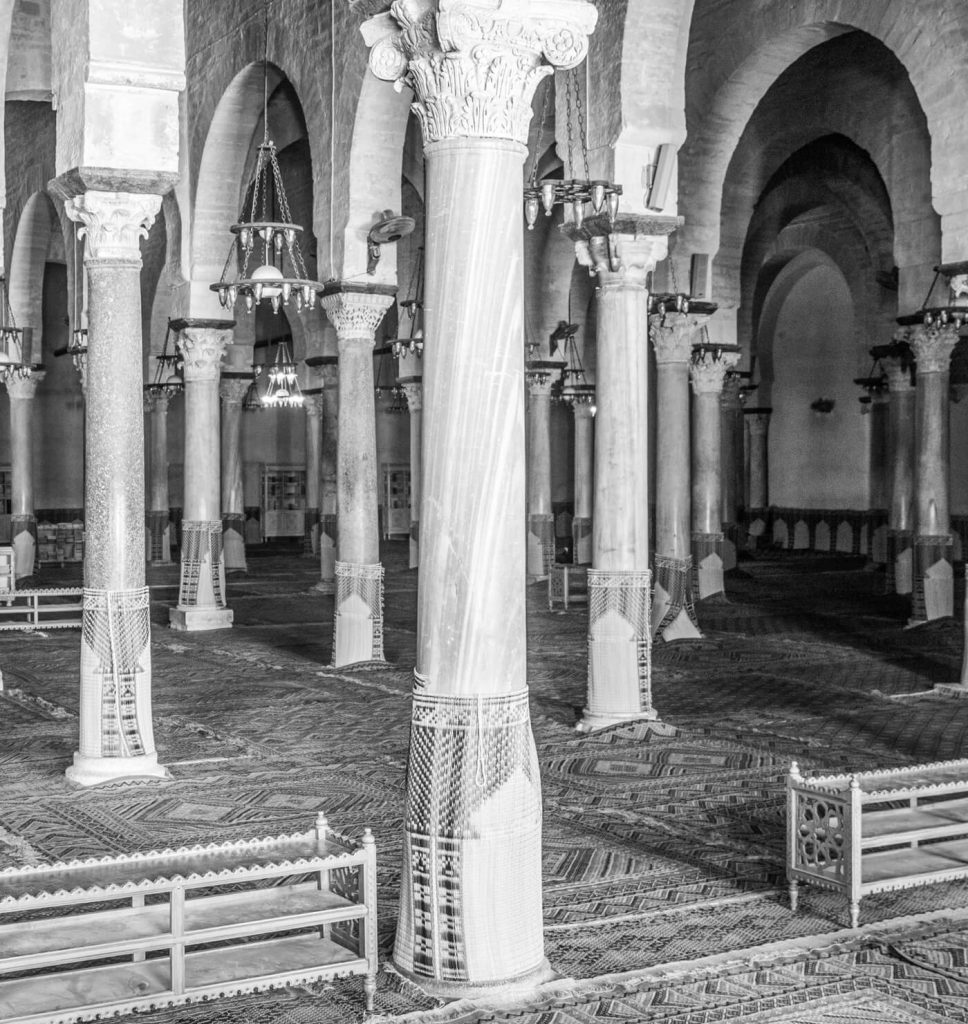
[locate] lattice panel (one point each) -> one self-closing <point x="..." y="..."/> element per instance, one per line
<point x="820" y="834"/>
<point x="676" y="578"/>
<point x="366" y="582"/>
<point x="626" y="595"/>
<point x="201" y="543"/>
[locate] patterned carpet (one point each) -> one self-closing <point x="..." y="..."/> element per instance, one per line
<point x="663" y="843"/>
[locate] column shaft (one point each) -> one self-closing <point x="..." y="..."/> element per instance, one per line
<point x="731" y="473"/>
<point x="901" y="440"/>
<point x="413" y="389"/>
<point x="328" y="533"/>
<point x="581" y="524"/>
<point x="158" y="517"/>
<point x="314" y="446"/>
<point x="233" y="391"/>
<point x="21" y="392"/>
<point x="541" y="520"/>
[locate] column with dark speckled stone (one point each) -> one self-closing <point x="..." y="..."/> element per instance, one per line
<point x="21" y="392"/>
<point x="116" y="739"/>
<point x="158" y="519"/>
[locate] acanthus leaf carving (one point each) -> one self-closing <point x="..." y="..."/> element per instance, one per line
<point x="113" y="222"/>
<point x="202" y="349"/>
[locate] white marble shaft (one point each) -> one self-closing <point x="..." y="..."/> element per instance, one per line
<point x="21" y="392"/>
<point x="731" y="411"/>
<point x="708" y="372"/>
<point x="541" y="527"/>
<point x="158" y="532"/>
<point x="933" y="578"/>
<point x="356" y="314"/>
<point x="313" y="405"/>
<point x="115" y="737"/>
<point x="673" y="335"/>
<point x="581" y="524"/>
<point x="328" y="490"/>
<point x="201" y="594"/>
<point x="474" y="67"/>
<point x="413" y="389"/>
<point x="232" y="391"/>
<point x="759" y="425"/>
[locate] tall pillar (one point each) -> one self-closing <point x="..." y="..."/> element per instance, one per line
<point x="758" y="421"/>
<point x="328" y="534"/>
<point x="673" y="614"/>
<point x="23" y="521"/>
<point x="116" y="737"/>
<point x="413" y="389"/>
<point x="619" y="638"/>
<point x="731" y="413"/>
<point x="232" y="390"/>
<point x="901" y="441"/>
<point x="313" y="404"/>
<point x="201" y="593"/>
<point x="158" y="516"/>
<point x="473" y="791"/>
<point x="879" y="466"/>
<point x="933" y="583"/>
<point x="356" y="311"/>
<point x="541" y="521"/>
<point x="709" y="371"/>
<point x="581" y="524"/>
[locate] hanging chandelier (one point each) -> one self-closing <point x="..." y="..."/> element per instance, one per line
<point x="955" y="310"/>
<point x="13" y="363"/>
<point x="282" y="385"/>
<point x="573" y="386"/>
<point x="167" y="379"/>
<point x="573" y="192"/>
<point x="266" y="232"/>
<point x="413" y="344"/>
<point x="77" y="347"/>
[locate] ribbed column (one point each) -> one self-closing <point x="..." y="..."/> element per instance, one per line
<point x="731" y="456"/>
<point x="232" y="391"/>
<point x="673" y="614"/>
<point x="313" y="404"/>
<point x="115" y="729"/>
<point x="933" y="583"/>
<point x="201" y="593"/>
<point x="356" y="312"/>
<point x="709" y="370"/>
<point x="901" y="442"/>
<point x="581" y="524"/>
<point x="23" y="522"/>
<point x="158" y="516"/>
<point x="413" y="389"/>
<point x="470" y="913"/>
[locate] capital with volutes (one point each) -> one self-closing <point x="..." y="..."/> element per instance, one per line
<point x="202" y="344"/>
<point x="356" y="313"/>
<point x="709" y="371"/>
<point x="113" y="222"/>
<point x="473" y="64"/>
<point x="24" y="387"/>
<point x="232" y="390"/>
<point x="157" y="399"/>
<point x="673" y="336"/>
<point x="932" y="345"/>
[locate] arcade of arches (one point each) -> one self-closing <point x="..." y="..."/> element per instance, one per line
<point x="794" y="167"/>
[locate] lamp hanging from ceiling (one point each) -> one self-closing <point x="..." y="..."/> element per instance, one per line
<point x="167" y="378"/>
<point x="413" y="344"/>
<point x="282" y="386"/>
<point x="573" y="192"/>
<point x="13" y="362"/>
<point x="77" y="346"/>
<point x="573" y="387"/>
<point x="266" y="231"/>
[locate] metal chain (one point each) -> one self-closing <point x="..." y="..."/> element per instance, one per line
<point x="541" y="127"/>
<point x="571" y="141"/>
<point x="582" y="138"/>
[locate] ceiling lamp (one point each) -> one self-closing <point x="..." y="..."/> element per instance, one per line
<point x="167" y="379"/>
<point x="573" y="192"/>
<point x="955" y="310"/>
<point x="875" y="383"/>
<point x="266" y="232"/>
<point x="573" y="388"/>
<point x="14" y="362"/>
<point x="386" y="230"/>
<point x="413" y="344"/>
<point x="282" y="387"/>
<point x="77" y="346"/>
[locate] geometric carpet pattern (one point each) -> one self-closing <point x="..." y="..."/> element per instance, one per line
<point x="663" y="842"/>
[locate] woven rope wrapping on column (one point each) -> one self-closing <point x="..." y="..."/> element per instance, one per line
<point x="115" y="634"/>
<point x="366" y="582"/>
<point x="627" y="596"/>
<point x="675" y="576"/>
<point x="471" y="893"/>
<point x="200" y="539"/>
<point x="928" y="551"/>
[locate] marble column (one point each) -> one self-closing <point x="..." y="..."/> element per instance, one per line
<point x="23" y="522"/>
<point x="313" y="404"/>
<point x="541" y="520"/>
<point x="158" y="516"/>
<point x="115" y="729"/>
<point x="879" y="479"/>
<point x="673" y="614"/>
<point x="731" y="414"/>
<point x="709" y="371"/>
<point x="356" y="311"/>
<point x="413" y="389"/>
<point x="581" y="524"/>
<point x="619" y="593"/>
<point x="933" y="582"/>
<point x="901" y="442"/>
<point x="758" y="421"/>
<point x="232" y="391"/>
<point x="328" y="372"/>
<point x="473" y="792"/>
<point x="201" y="593"/>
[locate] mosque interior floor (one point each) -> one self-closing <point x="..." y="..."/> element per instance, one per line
<point x="664" y="889"/>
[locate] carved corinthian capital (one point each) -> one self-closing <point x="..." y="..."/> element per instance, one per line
<point x="475" y="64"/>
<point x="25" y="387"/>
<point x="356" y="315"/>
<point x="232" y="390"/>
<point x="202" y="349"/>
<point x="932" y="345"/>
<point x="708" y="371"/>
<point x="113" y="222"/>
<point x="673" y="335"/>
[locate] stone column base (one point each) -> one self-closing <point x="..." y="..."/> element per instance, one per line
<point x="92" y="771"/>
<point x="933" y="595"/>
<point x="581" y="537"/>
<point x="195" y="619"/>
<point x="673" y="613"/>
<point x="311" y="533"/>
<point x="233" y="542"/>
<point x="414" y="544"/>
<point x="23" y="533"/>
<point x="470" y="906"/>
<point x="158" y="537"/>
<point x="541" y="545"/>
<point x="899" y="578"/>
<point x="619" y="649"/>
<point x="707" y="557"/>
<point x="358" y="626"/>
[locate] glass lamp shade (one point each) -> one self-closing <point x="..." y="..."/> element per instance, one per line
<point x="266" y="275"/>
